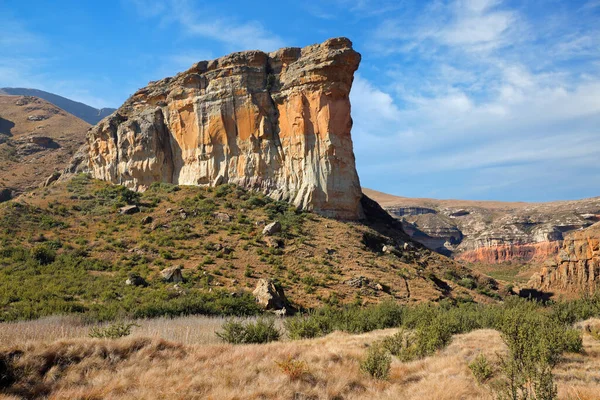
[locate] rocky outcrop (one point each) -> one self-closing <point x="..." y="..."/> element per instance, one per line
<point x="490" y="232"/>
<point x="277" y="122"/>
<point x="576" y="269"/>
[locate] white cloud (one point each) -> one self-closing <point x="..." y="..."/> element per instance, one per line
<point x="197" y="21"/>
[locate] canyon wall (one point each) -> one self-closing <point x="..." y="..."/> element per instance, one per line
<point x="576" y="269"/>
<point x="490" y="232"/>
<point x="278" y="122"/>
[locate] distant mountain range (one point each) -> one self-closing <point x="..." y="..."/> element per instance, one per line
<point x="87" y="113"/>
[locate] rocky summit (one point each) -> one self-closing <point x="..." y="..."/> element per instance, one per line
<point x="276" y="122"/>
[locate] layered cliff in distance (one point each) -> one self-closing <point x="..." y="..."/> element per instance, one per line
<point x="278" y="122"/>
<point x="36" y="139"/>
<point x="490" y="232"/>
<point x="576" y="269"/>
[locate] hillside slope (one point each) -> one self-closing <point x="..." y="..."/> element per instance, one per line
<point x="66" y="247"/>
<point x="82" y="111"/>
<point x="487" y="231"/>
<point x="36" y="139"/>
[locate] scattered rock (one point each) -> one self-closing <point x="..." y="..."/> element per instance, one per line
<point x="129" y="210"/>
<point x="135" y="280"/>
<point x="147" y="220"/>
<point x="37" y="117"/>
<point x="169" y="210"/>
<point x="172" y="274"/>
<point x="268" y="296"/>
<point x="362" y="282"/>
<point x="357" y="282"/>
<point x="273" y="242"/>
<point x="223" y="217"/>
<point x="272" y="228"/>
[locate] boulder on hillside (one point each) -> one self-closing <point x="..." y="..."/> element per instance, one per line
<point x="129" y="210"/>
<point x="268" y="296"/>
<point x="221" y="216"/>
<point x="272" y="228"/>
<point x="172" y="274"/>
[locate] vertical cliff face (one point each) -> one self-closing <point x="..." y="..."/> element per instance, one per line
<point x="277" y="122"/>
<point x="577" y="267"/>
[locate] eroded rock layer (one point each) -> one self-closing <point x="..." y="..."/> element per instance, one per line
<point x="577" y="266"/>
<point x="277" y="122"/>
<point x="491" y="232"/>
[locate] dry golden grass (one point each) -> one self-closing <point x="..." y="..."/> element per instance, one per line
<point x="185" y="330"/>
<point x="136" y="368"/>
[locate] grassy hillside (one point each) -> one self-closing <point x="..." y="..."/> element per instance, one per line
<point x="67" y="249"/>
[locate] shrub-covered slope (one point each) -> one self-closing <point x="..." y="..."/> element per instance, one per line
<point x="67" y="248"/>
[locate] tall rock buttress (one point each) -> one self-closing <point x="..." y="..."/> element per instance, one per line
<point x="277" y="122"/>
<point x="577" y="266"/>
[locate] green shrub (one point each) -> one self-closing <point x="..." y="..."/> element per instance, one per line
<point x="43" y="254"/>
<point x="402" y="345"/>
<point x="260" y="331"/>
<point x="307" y="327"/>
<point x="112" y="331"/>
<point x="377" y="362"/>
<point x="481" y="368"/>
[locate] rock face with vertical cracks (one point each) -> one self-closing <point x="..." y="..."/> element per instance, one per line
<point x="577" y="266"/>
<point x="277" y="122"/>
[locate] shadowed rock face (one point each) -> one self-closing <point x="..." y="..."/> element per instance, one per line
<point x="277" y="122"/>
<point x="577" y="266"/>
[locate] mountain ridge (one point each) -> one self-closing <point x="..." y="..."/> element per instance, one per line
<point x="89" y="114"/>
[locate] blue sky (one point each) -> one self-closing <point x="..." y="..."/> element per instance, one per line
<point x="473" y="99"/>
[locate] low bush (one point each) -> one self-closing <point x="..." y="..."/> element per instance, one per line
<point x="293" y="369"/>
<point x="112" y="331"/>
<point x="377" y="363"/>
<point x="260" y="331"/>
<point x="481" y="368"/>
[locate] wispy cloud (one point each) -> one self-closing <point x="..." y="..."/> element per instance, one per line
<point x="198" y="21"/>
<point x="477" y="89"/>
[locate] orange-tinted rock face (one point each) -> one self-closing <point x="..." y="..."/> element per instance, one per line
<point x="277" y="122"/>
<point x="577" y="267"/>
<point x="512" y="253"/>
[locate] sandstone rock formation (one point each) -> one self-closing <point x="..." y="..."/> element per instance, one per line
<point x="277" y="122"/>
<point x="490" y="232"/>
<point x="577" y="266"/>
<point x="269" y="296"/>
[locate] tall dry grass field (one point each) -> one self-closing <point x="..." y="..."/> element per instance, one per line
<point x="153" y="368"/>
